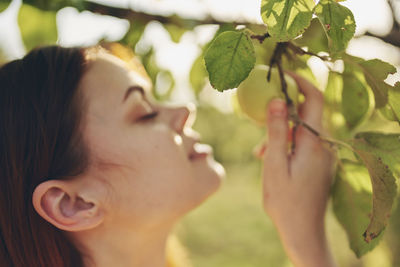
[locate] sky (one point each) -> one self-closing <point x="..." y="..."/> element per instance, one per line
<point x="85" y="28"/>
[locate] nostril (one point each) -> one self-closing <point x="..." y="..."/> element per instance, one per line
<point x="184" y="117"/>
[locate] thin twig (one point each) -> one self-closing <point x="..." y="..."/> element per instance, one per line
<point x="260" y="38"/>
<point x="289" y="101"/>
<point x="298" y="50"/>
<point x="330" y="141"/>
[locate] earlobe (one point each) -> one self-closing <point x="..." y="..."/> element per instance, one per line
<point x="58" y="203"/>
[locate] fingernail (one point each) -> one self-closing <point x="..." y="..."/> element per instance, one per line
<point x="259" y="150"/>
<point x="277" y="107"/>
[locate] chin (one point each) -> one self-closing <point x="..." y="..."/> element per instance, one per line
<point x="210" y="175"/>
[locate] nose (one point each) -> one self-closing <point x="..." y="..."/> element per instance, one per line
<point x="182" y="116"/>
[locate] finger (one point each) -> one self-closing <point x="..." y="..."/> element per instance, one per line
<point x="311" y="109"/>
<point x="276" y="154"/>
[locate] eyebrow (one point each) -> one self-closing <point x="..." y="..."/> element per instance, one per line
<point x="132" y="89"/>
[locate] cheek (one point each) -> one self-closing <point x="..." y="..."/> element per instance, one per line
<point x="159" y="160"/>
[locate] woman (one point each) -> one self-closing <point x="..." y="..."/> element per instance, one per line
<point x="96" y="173"/>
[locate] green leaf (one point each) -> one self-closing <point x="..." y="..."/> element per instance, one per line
<point x="4" y="4"/>
<point x="37" y="27"/>
<point x="355" y="100"/>
<point x="55" y="5"/>
<point x="314" y="38"/>
<point x="351" y="199"/>
<point x="375" y="72"/>
<point x="394" y="100"/>
<point x="338" y="22"/>
<point x="286" y="19"/>
<point x="229" y="60"/>
<point x="367" y="147"/>
<point x="198" y="73"/>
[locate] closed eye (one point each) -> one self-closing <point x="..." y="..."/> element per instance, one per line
<point x="148" y="116"/>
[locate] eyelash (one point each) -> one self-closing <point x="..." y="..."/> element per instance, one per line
<point x="149" y="116"/>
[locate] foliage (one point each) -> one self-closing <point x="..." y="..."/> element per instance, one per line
<point x="348" y="94"/>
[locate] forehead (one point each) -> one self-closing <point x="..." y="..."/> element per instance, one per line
<point x="106" y="70"/>
<point x="105" y="83"/>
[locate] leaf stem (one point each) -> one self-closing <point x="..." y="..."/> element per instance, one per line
<point x="330" y="141"/>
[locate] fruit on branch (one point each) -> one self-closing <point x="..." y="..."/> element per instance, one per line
<point x="256" y="92"/>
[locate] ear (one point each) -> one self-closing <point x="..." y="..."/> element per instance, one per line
<point x="59" y="203"/>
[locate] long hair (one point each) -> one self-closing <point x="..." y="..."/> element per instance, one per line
<point x="40" y="116"/>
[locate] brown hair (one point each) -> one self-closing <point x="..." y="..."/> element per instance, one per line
<point x="41" y="108"/>
<point x="40" y="116"/>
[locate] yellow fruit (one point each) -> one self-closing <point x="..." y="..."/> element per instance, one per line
<point x="256" y="92"/>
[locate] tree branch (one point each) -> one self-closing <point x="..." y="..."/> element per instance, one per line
<point x="131" y="15"/>
<point x="392" y="38"/>
<point x="125" y="13"/>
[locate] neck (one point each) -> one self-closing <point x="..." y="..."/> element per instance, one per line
<point x="124" y="248"/>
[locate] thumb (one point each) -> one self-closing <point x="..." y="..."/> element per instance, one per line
<point x="276" y="155"/>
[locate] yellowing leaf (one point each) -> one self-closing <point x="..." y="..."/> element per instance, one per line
<point x="384" y="146"/>
<point x="286" y="19"/>
<point x="369" y="147"/>
<point x="352" y="205"/>
<point x="338" y="22"/>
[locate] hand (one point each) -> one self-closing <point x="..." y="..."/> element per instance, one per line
<point x="296" y="186"/>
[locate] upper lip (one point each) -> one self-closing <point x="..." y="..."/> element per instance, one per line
<point x="189" y="143"/>
<point x="190" y="140"/>
<point x="191" y="150"/>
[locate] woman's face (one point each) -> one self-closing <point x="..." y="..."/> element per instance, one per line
<point x="145" y="154"/>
